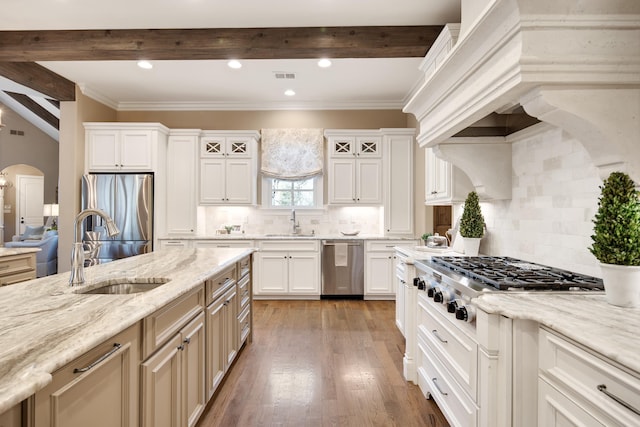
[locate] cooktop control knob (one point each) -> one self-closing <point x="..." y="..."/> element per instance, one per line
<point x="416" y="281"/>
<point x="452" y="306"/>
<point x="432" y="291"/>
<point x="437" y="296"/>
<point x="421" y="285"/>
<point x="466" y="313"/>
<point x="447" y="296"/>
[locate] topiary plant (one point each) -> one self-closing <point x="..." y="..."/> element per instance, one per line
<point x="616" y="238"/>
<point x="472" y="221"/>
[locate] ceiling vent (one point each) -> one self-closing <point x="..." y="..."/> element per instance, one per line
<point x="284" y="75"/>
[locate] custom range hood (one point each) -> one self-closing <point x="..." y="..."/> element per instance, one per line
<point x="572" y="64"/>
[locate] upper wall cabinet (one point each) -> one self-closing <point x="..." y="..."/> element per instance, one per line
<point x="355" y="167"/>
<point x="123" y="147"/>
<point x="398" y="181"/>
<point x="182" y="167"/>
<point x="228" y="167"/>
<point x="444" y="183"/>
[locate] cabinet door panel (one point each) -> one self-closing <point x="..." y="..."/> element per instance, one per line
<point x="193" y="370"/>
<point x="239" y="181"/>
<point x="304" y="273"/>
<point x="230" y="326"/>
<point x="215" y="346"/>
<point x="181" y="185"/>
<point x="92" y="391"/>
<point x="342" y="182"/>
<point x="103" y="150"/>
<point x="135" y="150"/>
<point x="379" y="273"/>
<point x="369" y="181"/>
<point x="161" y="382"/>
<point x="212" y="181"/>
<point x="272" y="273"/>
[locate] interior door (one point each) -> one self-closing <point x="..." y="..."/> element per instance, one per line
<point x="30" y="200"/>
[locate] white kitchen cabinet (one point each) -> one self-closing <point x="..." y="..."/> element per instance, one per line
<point x="287" y="268"/>
<point x="355" y="167"/>
<point x="174" y="243"/>
<point x="100" y="388"/>
<point x="123" y="147"/>
<point x="223" y="243"/>
<point x="398" y="181"/>
<point x="228" y="168"/>
<point x="182" y="158"/>
<point x="379" y="268"/>
<point x="444" y="183"/>
<point x="579" y="387"/>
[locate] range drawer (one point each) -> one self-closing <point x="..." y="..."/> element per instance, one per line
<point x="457" y="351"/>
<point x="164" y="323"/>
<point x="218" y="284"/>
<point x="580" y="374"/>
<point x="459" y="409"/>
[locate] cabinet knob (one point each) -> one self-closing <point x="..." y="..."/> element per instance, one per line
<point x="181" y="347"/>
<point x="187" y="340"/>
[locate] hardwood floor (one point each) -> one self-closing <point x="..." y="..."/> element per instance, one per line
<point x="321" y="363"/>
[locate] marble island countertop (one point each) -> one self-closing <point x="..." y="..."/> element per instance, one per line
<point x="586" y="318"/>
<point x="46" y="323"/>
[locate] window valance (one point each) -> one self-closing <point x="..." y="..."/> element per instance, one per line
<point x="292" y="153"/>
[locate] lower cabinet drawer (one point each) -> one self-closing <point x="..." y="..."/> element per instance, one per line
<point x="556" y="410"/>
<point x="458" y="351"/>
<point x="164" y="323"/>
<point x="590" y="380"/>
<point x="243" y="293"/>
<point x="433" y="379"/>
<point x="16" y="278"/>
<point x="244" y="325"/>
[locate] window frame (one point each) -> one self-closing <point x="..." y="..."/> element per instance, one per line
<point x="267" y="189"/>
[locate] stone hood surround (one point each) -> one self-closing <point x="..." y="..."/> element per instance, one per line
<point x="574" y="65"/>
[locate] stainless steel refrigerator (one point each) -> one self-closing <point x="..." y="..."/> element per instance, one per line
<point x="128" y="199"/>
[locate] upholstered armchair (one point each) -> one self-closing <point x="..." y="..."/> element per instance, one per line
<point x="47" y="258"/>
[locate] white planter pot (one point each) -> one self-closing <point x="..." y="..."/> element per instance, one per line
<point x="471" y="245"/>
<point x="621" y="284"/>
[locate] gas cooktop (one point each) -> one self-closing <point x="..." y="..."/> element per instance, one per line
<point x="505" y="273"/>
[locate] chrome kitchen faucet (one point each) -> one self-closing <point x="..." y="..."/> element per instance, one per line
<point x="77" y="252"/>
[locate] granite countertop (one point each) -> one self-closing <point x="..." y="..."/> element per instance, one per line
<point x="588" y="319"/>
<point x="17" y="251"/>
<point x="46" y="324"/>
<point x="285" y="236"/>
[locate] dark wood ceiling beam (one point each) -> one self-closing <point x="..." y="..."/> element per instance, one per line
<point x="40" y="79"/>
<point x="223" y="43"/>
<point x="36" y="108"/>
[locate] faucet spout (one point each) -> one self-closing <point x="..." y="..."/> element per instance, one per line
<point x="294" y="225"/>
<point x="77" y="252"/>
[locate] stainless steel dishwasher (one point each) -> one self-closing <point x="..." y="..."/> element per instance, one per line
<point x="342" y="269"/>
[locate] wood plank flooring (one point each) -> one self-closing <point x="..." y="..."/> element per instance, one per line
<point x="321" y="363"/>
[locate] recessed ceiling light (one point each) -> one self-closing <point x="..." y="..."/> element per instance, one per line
<point x="145" y="64"/>
<point x="234" y="64"/>
<point x="324" y="63"/>
<point x="289" y="92"/>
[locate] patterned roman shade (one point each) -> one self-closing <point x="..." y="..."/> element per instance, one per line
<point x="292" y="153"/>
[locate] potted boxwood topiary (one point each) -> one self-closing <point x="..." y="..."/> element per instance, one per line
<point x="616" y="239"/>
<point x="472" y="224"/>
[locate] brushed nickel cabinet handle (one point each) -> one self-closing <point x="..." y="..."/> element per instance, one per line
<point x="603" y="388"/>
<point x="435" y="332"/>
<point x="435" y="383"/>
<point x="115" y="348"/>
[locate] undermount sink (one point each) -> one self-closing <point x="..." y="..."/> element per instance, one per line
<point x="290" y="235"/>
<point x="125" y="285"/>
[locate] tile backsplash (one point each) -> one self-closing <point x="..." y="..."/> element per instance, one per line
<point x="554" y="199"/>
<point x="330" y="220"/>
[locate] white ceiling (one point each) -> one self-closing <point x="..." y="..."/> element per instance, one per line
<point x="349" y="83"/>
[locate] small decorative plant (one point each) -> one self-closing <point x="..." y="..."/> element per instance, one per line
<point x="424" y="237"/>
<point x="616" y="238"/>
<point x="472" y="221"/>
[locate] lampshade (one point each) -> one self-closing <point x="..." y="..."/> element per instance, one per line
<point x="51" y="210"/>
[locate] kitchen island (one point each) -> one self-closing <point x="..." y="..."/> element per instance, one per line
<point x="17" y="265"/>
<point x="46" y="324"/>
